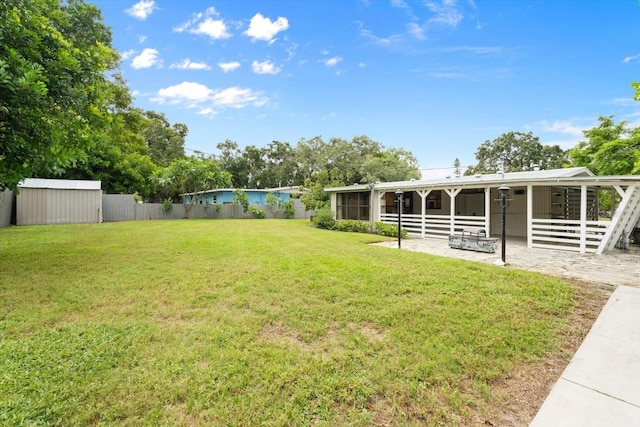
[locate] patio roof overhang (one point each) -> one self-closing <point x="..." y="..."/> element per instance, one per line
<point x="482" y="182"/>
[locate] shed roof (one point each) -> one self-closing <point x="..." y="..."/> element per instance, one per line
<point x="60" y="184"/>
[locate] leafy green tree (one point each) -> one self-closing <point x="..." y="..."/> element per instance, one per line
<point x="189" y="177"/>
<point x="118" y="155"/>
<point x="165" y="141"/>
<point x="231" y="160"/>
<point x="316" y="198"/>
<point x="636" y="86"/>
<point x="516" y="151"/>
<point x="610" y="149"/>
<point x="53" y="58"/>
<point x="395" y="164"/>
<point x="241" y="198"/>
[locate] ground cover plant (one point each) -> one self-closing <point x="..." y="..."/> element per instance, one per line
<point x="258" y="322"/>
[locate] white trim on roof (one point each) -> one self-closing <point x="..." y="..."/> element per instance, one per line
<point x="60" y="184"/>
<point x="477" y="180"/>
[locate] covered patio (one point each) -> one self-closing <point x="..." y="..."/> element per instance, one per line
<point x="554" y="209"/>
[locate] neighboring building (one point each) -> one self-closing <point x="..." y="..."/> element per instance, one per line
<point x="549" y="208"/>
<point x="58" y="201"/>
<point x="256" y="196"/>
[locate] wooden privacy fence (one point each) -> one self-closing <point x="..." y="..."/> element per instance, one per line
<point x="122" y="207"/>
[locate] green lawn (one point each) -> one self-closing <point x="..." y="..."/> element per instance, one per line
<point x="256" y="322"/>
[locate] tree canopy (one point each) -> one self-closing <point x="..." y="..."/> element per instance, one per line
<point x="53" y="58"/>
<point x="516" y="151"/>
<point x="610" y="149"/>
<point x="191" y="176"/>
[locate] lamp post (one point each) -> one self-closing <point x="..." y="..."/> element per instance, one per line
<point x="399" y="198"/>
<point x="503" y="204"/>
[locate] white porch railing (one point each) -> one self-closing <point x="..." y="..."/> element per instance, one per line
<point x="567" y="234"/>
<point x="437" y="226"/>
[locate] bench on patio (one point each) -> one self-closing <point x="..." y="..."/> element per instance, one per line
<point x="473" y="239"/>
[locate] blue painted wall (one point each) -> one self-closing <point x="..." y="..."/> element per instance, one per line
<point x="226" y="196"/>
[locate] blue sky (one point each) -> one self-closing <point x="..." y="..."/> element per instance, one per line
<point x="436" y="77"/>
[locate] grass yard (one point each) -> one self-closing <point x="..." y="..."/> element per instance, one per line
<point x="259" y="322"/>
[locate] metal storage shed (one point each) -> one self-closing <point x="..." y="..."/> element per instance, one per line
<point x="58" y="201"/>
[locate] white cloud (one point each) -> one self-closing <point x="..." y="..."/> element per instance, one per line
<point x="266" y="67"/>
<point x="332" y="62"/>
<point x="147" y="58"/>
<point x="383" y="41"/>
<point x="142" y="39"/>
<point x="227" y="67"/>
<point x="128" y="54"/>
<point x="362" y="64"/>
<point x="331" y="115"/>
<point x="185" y="92"/>
<point x="187" y="64"/>
<point x="261" y="28"/>
<point x="631" y="58"/>
<point x="399" y="3"/>
<point x="207" y="101"/>
<point x="445" y="12"/>
<point x="214" y="28"/>
<point x="562" y="127"/>
<point x="208" y="112"/>
<point x="237" y="97"/>
<point x="416" y="31"/>
<point x="142" y="9"/>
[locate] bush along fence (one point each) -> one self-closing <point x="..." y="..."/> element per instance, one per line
<point x="325" y="218"/>
<point x="122" y="207"/>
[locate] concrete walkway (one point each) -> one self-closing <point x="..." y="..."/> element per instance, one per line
<point x="601" y="384"/>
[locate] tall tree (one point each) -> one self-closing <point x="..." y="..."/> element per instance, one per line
<point x="516" y="151"/>
<point x="231" y="160"/>
<point x="118" y="155"/>
<point x="395" y="164"/>
<point x="190" y="177"/>
<point x="610" y="149"/>
<point x="165" y="141"/>
<point x="53" y="58"/>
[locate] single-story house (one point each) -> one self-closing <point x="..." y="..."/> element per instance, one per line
<point x="58" y="201"/>
<point x="257" y="196"/>
<point x="549" y="208"/>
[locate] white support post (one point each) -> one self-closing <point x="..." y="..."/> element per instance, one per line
<point x="583" y="218"/>
<point x="423" y="195"/>
<point x="529" y="216"/>
<point x="487" y="210"/>
<point x="453" y="192"/>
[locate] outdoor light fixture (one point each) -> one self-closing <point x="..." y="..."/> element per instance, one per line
<point x="504" y="190"/>
<point x="399" y="194"/>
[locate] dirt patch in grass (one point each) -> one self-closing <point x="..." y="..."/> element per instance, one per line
<point x="518" y="398"/>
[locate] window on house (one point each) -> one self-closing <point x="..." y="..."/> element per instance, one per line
<point x="434" y="200"/>
<point x="353" y="206"/>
